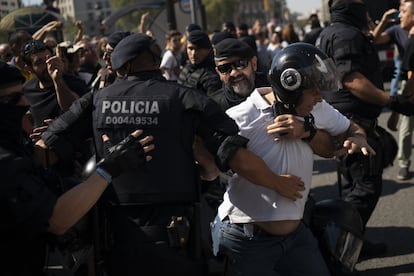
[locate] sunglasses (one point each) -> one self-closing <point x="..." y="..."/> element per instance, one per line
<point x="11" y="99"/>
<point x="237" y="65"/>
<point x="33" y="46"/>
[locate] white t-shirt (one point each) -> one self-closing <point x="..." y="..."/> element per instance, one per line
<point x="169" y="62"/>
<point x="246" y="202"/>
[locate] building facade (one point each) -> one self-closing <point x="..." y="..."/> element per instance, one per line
<point x="6" y="6"/>
<point x="264" y="10"/>
<point x="91" y="12"/>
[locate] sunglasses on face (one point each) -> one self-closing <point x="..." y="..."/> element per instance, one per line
<point x="237" y="65"/>
<point x="11" y="99"/>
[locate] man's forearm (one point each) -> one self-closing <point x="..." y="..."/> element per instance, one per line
<point x="65" y="96"/>
<point x="322" y="144"/>
<point x="365" y="90"/>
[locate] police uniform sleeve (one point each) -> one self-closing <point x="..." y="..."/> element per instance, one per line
<point x="218" y="131"/>
<point x="346" y="46"/>
<point x="348" y="56"/>
<point x="26" y="201"/>
<point x="210" y="82"/>
<point x="76" y="84"/>
<point x="71" y="128"/>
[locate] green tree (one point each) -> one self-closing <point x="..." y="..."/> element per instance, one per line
<point x="218" y="11"/>
<point x="130" y="21"/>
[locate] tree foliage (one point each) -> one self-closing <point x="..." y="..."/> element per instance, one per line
<point x="218" y="11"/>
<point x="131" y="20"/>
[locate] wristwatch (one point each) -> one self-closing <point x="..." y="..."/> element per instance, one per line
<point x="309" y="125"/>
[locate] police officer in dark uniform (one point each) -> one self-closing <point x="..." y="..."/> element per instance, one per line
<point x="361" y="99"/>
<point x="199" y="72"/>
<point x="31" y="208"/>
<point x="151" y="216"/>
<point x="238" y="83"/>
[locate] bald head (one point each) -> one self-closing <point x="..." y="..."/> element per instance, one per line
<point x="5" y="52"/>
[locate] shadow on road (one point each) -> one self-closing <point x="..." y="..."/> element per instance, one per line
<point x="407" y="269"/>
<point x="398" y="239"/>
<point x="390" y="187"/>
<point x="324" y="166"/>
<point x="399" y="245"/>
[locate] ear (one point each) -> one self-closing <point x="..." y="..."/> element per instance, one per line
<point x="253" y="60"/>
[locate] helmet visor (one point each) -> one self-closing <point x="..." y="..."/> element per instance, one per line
<point x="321" y="75"/>
<point x="343" y="245"/>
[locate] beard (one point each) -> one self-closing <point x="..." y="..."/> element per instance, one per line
<point x="243" y="87"/>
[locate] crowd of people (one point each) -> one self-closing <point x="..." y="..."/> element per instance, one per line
<point x="123" y="157"/>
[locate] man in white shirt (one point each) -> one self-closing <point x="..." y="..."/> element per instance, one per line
<point x="258" y="228"/>
<point x="170" y="63"/>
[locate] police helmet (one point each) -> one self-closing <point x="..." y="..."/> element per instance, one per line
<point x="338" y="227"/>
<point x="301" y="66"/>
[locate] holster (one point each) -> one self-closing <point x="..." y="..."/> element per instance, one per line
<point x="178" y="231"/>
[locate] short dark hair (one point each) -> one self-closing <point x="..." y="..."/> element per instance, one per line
<point x="170" y="34"/>
<point x="32" y="47"/>
<point x="18" y="37"/>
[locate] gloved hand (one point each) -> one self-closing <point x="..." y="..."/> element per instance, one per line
<point x="401" y="104"/>
<point x="127" y="155"/>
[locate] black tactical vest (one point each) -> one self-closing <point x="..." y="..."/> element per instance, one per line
<point x="156" y="107"/>
<point x="351" y="50"/>
<point x="190" y="76"/>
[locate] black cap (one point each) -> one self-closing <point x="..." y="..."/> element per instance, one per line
<point x="229" y="26"/>
<point x="200" y="39"/>
<point x="192" y="27"/>
<point x="251" y="41"/>
<point x="219" y="36"/>
<point x="129" y="48"/>
<point x="230" y="47"/>
<point x="115" y="37"/>
<point x="243" y="26"/>
<point x="10" y="75"/>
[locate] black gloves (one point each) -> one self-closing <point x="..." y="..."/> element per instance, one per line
<point x="401" y="104"/>
<point x="127" y="155"/>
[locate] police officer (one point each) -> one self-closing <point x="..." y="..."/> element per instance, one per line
<point x="30" y="208"/>
<point x="236" y="64"/>
<point x="361" y="99"/>
<point x="199" y="72"/>
<point x="152" y="226"/>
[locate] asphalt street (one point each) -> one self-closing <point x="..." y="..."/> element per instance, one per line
<point x="392" y="221"/>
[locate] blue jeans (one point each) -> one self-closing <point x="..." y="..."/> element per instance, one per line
<point x="395" y="81"/>
<point x="264" y="254"/>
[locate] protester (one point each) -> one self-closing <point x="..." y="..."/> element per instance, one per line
<point x="170" y="63"/>
<point x="260" y="230"/>
<point x="5" y="52"/>
<point x="407" y="66"/>
<point x="52" y="91"/>
<point x="17" y="40"/>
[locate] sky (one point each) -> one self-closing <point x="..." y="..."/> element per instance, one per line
<point x="304" y="6"/>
